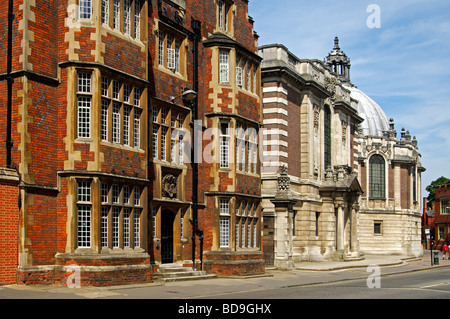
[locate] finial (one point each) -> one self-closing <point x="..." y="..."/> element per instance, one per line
<point x="336" y="43"/>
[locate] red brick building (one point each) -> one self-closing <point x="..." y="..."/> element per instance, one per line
<point x="442" y="215"/>
<point x="100" y="136"/>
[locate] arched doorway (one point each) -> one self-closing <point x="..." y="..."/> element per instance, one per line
<point x="167" y="220"/>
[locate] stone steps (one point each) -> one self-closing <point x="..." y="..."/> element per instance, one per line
<point x="176" y="272"/>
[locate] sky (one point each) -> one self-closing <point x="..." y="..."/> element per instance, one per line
<point x="400" y="57"/>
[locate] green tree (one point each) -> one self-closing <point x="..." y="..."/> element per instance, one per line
<point x="431" y="189"/>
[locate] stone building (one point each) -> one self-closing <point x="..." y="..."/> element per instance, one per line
<point x="103" y="98"/>
<point x="320" y="128"/>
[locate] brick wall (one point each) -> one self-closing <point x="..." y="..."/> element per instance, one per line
<point x="9" y="229"/>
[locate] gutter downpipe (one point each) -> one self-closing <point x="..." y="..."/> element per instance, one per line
<point x="10" y="82"/>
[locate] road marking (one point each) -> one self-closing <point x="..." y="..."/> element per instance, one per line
<point x="440" y="284"/>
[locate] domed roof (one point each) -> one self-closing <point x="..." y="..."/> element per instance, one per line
<point x="375" y="120"/>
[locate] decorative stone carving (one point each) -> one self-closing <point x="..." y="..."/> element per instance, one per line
<point x="284" y="182"/>
<point x="169" y="186"/>
<point x="344" y="132"/>
<point x="330" y="86"/>
<point x="316" y="116"/>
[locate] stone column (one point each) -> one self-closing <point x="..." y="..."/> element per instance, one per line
<point x="354" y="229"/>
<point x="284" y="204"/>
<point x="340" y="229"/>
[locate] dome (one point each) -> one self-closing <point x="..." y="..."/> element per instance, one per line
<point x="375" y="120"/>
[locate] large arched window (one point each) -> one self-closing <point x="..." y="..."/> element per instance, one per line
<point x="377" y="183"/>
<point x="327" y="136"/>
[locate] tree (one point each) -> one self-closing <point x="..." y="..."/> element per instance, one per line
<point x="431" y="189"/>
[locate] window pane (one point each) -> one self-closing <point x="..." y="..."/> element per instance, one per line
<point x="327" y="137"/>
<point x="137" y="128"/>
<point x="84" y="117"/>
<point x="126" y="228"/>
<point x="127" y="17"/>
<point x="115" y="227"/>
<point x="137" y="228"/>
<point x="224" y="67"/>
<point x="104" y="227"/>
<point x="85" y="7"/>
<point x="84" y="226"/>
<point x="116" y="123"/>
<point x="137" y="19"/>
<point x="105" y="11"/>
<point x="116" y="14"/>
<point x="84" y="191"/>
<point x="104" y="121"/>
<point x="377" y="176"/>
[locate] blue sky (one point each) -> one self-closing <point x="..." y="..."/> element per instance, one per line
<point x="404" y="65"/>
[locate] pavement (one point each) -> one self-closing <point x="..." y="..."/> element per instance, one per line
<point x="304" y="273"/>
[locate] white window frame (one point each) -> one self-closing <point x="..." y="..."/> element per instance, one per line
<point x="161" y="36"/>
<point x="126" y="227"/>
<point x="239" y="76"/>
<point x="84" y="117"/>
<point x="137" y="128"/>
<point x="105" y="86"/>
<point x="116" y="15"/>
<point x="126" y="124"/>
<point x="137" y="228"/>
<point x="85" y="9"/>
<point x="224" y="66"/>
<point x="163" y="143"/>
<point x="105" y="12"/>
<point x="155" y="140"/>
<point x="104" y="227"/>
<point x="445" y="210"/>
<point x="115" y="227"/>
<point x="177" y="55"/>
<point x="84" y="218"/>
<point x="137" y="96"/>
<point x="137" y="19"/>
<point x="224" y="223"/>
<point x="126" y="194"/>
<point x="127" y="17"/>
<point x="115" y="190"/>
<point x="116" y="123"/>
<point x="154" y="213"/>
<point x="224" y="140"/>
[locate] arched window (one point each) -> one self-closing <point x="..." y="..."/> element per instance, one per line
<point x="377" y="183"/>
<point x="327" y="136"/>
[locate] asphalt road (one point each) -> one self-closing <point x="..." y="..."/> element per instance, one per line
<point x="432" y="284"/>
<point x="349" y="284"/>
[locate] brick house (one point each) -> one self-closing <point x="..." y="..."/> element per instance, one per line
<point x="100" y="138"/>
<point x="211" y="49"/>
<point x="442" y="215"/>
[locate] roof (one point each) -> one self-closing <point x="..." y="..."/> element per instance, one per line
<point x="375" y="120"/>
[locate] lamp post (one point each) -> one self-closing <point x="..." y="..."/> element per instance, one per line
<point x="430" y="214"/>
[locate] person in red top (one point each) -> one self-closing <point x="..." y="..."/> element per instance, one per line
<point x="445" y="251"/>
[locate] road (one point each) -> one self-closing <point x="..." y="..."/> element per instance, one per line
<point x="349" y="284"/>
<point x="433" y="284"/>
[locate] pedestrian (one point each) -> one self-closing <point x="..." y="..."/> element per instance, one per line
<point x="445" y="251"/>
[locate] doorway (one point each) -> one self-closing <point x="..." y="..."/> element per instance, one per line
<point x="167" y="220"/>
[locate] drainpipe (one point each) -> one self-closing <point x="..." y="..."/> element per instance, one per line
<point x="10" y="81"/>
<point x="196" y="27"/>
